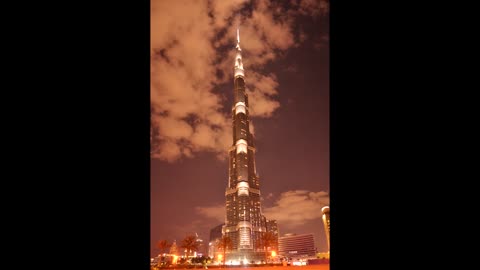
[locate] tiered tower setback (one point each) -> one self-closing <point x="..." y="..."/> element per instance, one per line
<point x="244" y="222"/>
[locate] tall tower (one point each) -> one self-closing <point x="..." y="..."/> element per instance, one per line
<point x="244" y="222"/>
<point x="326" y="223"/>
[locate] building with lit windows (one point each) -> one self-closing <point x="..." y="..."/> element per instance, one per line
<point x="273" y="228"/>
<point x="215" y="236"/>
<point x="201" y="249"/>
<point x="244" y="222"/>
<point x="297" y="246"/>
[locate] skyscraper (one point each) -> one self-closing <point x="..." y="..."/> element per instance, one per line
<point x="215" y="236"/>
<point x="244" y="222"/>
<point x="326" y="223"/>
<point x="272" y="227"/>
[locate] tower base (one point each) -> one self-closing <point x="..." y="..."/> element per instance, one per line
<point x="242" y="257"/>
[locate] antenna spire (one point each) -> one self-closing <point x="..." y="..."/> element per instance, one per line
<point x="238" y="34"/>
<point x="238" y="38"/>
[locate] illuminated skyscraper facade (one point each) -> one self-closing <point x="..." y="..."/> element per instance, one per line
<point x="326" y="223"/>
<point x="244" y="222"/>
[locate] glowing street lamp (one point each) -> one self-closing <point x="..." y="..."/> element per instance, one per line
<point x="274" y="254"/>
<point x="220" y="256"/>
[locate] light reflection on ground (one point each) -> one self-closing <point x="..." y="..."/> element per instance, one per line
<point x="303" y="267"/>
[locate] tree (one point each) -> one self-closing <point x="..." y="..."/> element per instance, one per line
<point x="173" y="248"/>
<point x="163" y="246"/>
<point x="225" y="244"/>
<point x="190" y="244"/>
<point x="267" y="240"/>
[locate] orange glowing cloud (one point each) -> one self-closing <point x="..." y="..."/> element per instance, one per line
<point x="189" y="117"/>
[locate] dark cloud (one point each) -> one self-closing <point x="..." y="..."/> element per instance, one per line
<point x="216" y="212"/>
<point x="296" y="207"/>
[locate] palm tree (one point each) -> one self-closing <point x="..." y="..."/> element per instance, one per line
<point x="190" y="244"/>
<point x="224" y="244"/>
<point x="163" y="246"/>
<point x="267" y="240"/>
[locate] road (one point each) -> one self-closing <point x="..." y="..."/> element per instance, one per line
<point x="303" y="267"/>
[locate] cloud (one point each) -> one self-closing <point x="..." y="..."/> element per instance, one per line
<point x="188" y="41"/>
<point x="296" y="207"/>
<point x="291" y="68"/>
<point x="292" y="209"/>
<point x="314" y="7"/>
<point x="216" y="212"/>
<point x="194" y="227"/>
<point x="262" y="92"/>
<point x="223" y="11"/>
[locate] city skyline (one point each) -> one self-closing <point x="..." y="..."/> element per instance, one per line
<point x="286" y="58"/>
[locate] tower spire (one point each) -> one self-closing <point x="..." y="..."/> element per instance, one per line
<point x="238" y="35"/>
<point x="238" y="71"/>
<point x="238" y="39"/>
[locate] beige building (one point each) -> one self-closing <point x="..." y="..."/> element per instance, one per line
<point x="326" y="223"/>
<point x="297" y="246"/>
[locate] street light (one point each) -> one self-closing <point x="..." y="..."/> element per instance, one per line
<point x="220" y="256"/>
<point x="273" y="256"/>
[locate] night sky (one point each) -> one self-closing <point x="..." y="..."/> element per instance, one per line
<point x="285" y="50"/>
